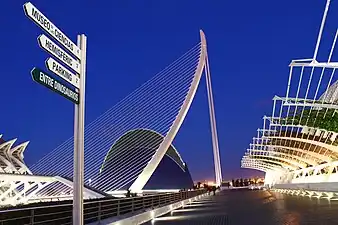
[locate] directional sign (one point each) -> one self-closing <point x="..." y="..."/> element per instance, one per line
<point x="61" y="71"/>
<point x="49" y="82"/>
<point x="34" y="14"/>
<point x="58" y="52"/>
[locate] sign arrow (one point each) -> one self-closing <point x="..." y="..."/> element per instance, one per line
<point x="43" y="22"/>
<point x="49" y="82"/>
<point x="55" y="67"/>
<point x="52" y="48"/>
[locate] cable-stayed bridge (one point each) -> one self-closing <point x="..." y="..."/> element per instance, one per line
<point x="297" y="145"/>
<point x="129" y="146"/>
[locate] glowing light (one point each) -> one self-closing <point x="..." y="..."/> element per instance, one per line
<point x="210" y="183"/>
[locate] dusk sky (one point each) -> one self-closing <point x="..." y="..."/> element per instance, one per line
<point x="250" y="44"/>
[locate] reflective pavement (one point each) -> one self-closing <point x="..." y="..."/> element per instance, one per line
<point x="254" y="207"/>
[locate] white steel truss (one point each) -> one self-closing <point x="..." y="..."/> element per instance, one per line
<point x="19" y="186"/>
<point x="11" y="159"/>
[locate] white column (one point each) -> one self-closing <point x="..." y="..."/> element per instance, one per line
<point x="79" y="139"/>
<point x="217" y="162"/>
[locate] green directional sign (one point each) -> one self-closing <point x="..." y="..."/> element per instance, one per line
<point x="49" y="82"/>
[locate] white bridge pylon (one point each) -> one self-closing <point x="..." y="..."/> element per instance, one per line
<point x="143" y="178"/>
<point x="159" y="105"/>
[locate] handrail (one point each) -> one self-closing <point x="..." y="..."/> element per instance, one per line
<point x="96" y="210"/>
<point x="85" y="203"/>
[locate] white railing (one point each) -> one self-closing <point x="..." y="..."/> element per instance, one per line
<point x="94" y="211"/>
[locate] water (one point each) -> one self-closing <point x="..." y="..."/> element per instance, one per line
<point x="248" y="207"/>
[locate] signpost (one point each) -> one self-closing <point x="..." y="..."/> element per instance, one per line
<point x="63" y="72"/>
<point x="77" y="96"/>
<point x="43" y="22"/>
<point x="49" y="82"/>
<point x="58" y="52"/>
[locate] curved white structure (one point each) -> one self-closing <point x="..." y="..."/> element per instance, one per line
<point x="297" y="147"/>
<point x="12" y="169"/>
<point x="17" y="183"/>
<point x="161" y="105"/>
<point x="11" y="158"/>
<point x="139" y="183"/>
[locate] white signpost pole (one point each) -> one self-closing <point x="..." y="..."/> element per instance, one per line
<point x="79" y="138"/>
<point x="80" y="67"/>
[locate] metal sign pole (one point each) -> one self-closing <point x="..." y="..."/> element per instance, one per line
<point x="77" y="97"/>
<point x="79" y="139"/>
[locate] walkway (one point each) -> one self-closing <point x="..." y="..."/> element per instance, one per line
<point x="208" y="211"/>
<point x="255" y="207"/>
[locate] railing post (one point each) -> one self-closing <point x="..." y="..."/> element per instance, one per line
<point x="99" y="216"/>
<point x="132" y="204"/>
<point x="152" y="201"/>
<point x="32" y="217"/>
<point x="143" y="203"/>
<point x="118" y="207"/>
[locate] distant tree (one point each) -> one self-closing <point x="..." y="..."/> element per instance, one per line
<point x="237" y="183"/>
<point x="241" y="182"/>
<point x="233" y="182"/>
<point x="199" y="184"/>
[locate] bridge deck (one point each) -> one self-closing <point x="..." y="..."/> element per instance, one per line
<point x="242" y="207"/>
<point x="209" y="211"/>
<point x="212" y="210"/>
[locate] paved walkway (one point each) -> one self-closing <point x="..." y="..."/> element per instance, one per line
<point x="253" y="207"/>
<point x="208" y="211"/>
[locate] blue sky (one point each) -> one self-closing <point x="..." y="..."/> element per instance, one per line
<point x="250" y="44"/>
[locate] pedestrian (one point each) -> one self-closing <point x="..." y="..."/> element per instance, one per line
<point x="128" y="194"/>
<point x="214" y="190"/>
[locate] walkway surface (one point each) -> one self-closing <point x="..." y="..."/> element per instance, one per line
<point x="254" y="207"/>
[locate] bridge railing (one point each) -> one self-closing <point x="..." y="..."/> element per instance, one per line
<point x="93" y="211"/>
